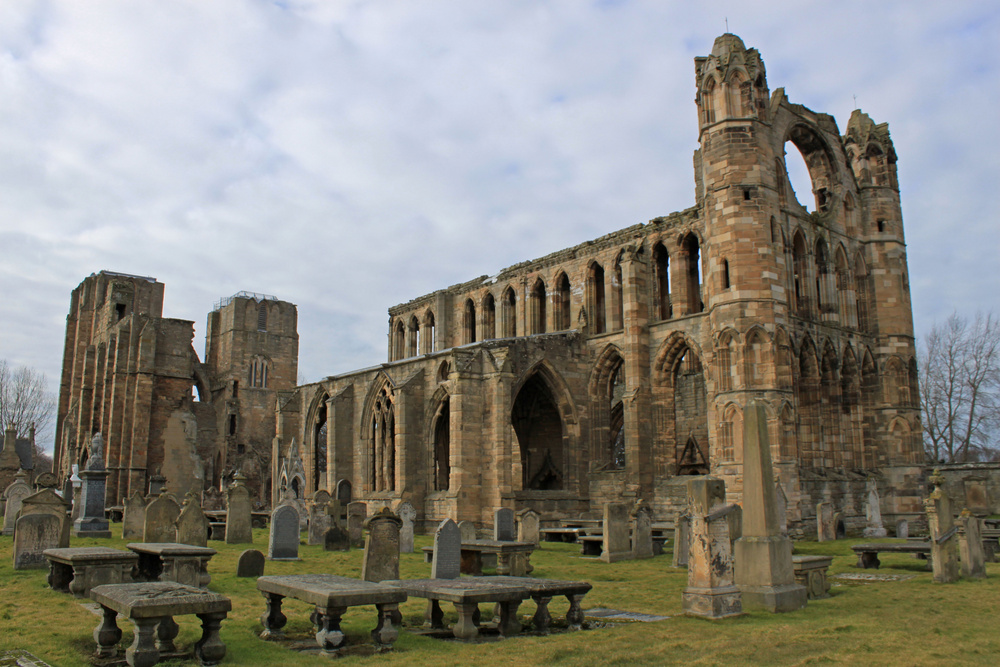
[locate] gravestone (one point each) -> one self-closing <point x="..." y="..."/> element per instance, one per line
<point x="781" y="501"/>
<point x="503" y="525"/>
<point x="239" y="521"/>
<point x="903" y="528"/>
<point x="336" y="539"/>
<point x="344" y="498"/>
<point x="321" y="497"/>
<point x="447" y="562"/>
<point x="34" y="533"/>
<point x="528" y="524"/>
<point x="381" y="559"/>
<point x="873" y="513"/>
<point x="284" y="537"/>
<point x="192" y="524"/>
<point x="826" y="526"/>
<point x="250" y="564"/>
<point x="642" y="531"/>
<point x="467" y="530"/>
<point x="91" y="521"/>
<point x="15" y="493"/>
<point x="135" y="516"/>
<point x="711" y="591"/>
<point x="617" y="545"/>
<point x="356" y="513"/>
<point x="763" y="558"/>
<point x="970" y="546"/>
<point x="161" y="519"/>
<point x="408" y="515"/>
<point x="682" y="539"/>
<point x="49" y="502"/>
<point x="942" y="529"/>
<point x="319" y="523"/>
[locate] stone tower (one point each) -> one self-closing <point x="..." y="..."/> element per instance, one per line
<point x="251" y="349"/>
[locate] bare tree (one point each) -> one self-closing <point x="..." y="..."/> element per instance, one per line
<point x="960" y="389"/>
<point x="26" y="402"/>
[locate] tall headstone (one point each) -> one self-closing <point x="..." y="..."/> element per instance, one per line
<point x="319" y="523"/>
<point x="467" y="530"/>
<point x="408" y="515"/>
<point x="970" y="546"/>
<point x="135" y="516"/>
<point x="91" y="522"/>
<point x="447" y="563"/>
<point x="826" y="526"/>
<point x="161" y="519"/>
<point x="381" y="559"/>
<point x="239" y="520"/>
<point x="763" y="557"/>
<point x="250" y="564"/>
<point x="873" y="513"/>
<point x="941" y="525"/>
<point x="711" y="591"/>
<point x="15" y="493"/>
<point x="284" y="537"/>
<point x="34" y="534"/>
<point x="503" y="525"/>
<point x="49" y="502"/>
<point x="682" y="539"/>
<point x="192" y="524"/>
<point x="528" y="525"/>
<point x="617" y="545"/>
<point x="356" y="513"/>
<point x="642" y="531"/>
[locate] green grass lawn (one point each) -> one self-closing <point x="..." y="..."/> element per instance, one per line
<point x="912" y="622"/>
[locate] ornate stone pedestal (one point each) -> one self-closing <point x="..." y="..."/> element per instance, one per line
<point x="91" y="521"/>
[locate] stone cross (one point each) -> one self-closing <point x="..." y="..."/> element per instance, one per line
<point x="15" y="493"/>
<point x="356" y="513"/>
<point x="408" y="515"/>
<point x="447" y="561"/>
<point x="711" y="591"/>
<point x="192" y="524"/>
<point x="873" y="513"/>
<point x="381" y="559"/>
<point x="763" y="557"/>
<point x="161" y="519"/>
<point x="134" y="516"/>
<point x="503" y="525"/>
<point x="284" y="536"/>
<point x="239" y="519"/>
<point x="528" y="524"/>
<point x="617" y="545"/>
<point x="970" y="546"/>
<point x="642" y="531"/>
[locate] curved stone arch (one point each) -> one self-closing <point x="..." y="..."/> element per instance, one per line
<point x="734" y="79"/>
<point x="787" y="432"/>
<point x="730" y="433"/>
<point x="758" y="358"/>
<point x="898" y="442"/>
<point x="316" y="405"/>
<point x="808" y="354"/>
<point x="443" y="371"/>
<point x="440" y="476"/>
<point x="605" y="364"/>
<point x="709" y="92"/>
<point x="607" y="414"/>
<point x="818" y="155"/>
<point x="669" y="353"/>
<point x="896" y="381"/>
<point x="727" y="359"/>
<point x="379" y="382"/>
<point x="557" y="386"/>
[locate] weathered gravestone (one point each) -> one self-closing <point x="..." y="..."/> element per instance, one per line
<point x="503" y="525"/>
<point x="239" y="521"/>
<point x="192" y="524"/>
<point x="49" y="502"/>
<point x="467" y="530"/>
<point x="617" y="545"/>
<point x="711" y="591"/>
<point x="970" y="546"/>
<point x="91" y="521"/>
<point x="528" y="524"/>
<point x="763" y="558"/>
<point x="941" y="525"/>
<point x="903" y="528"/>
<point x="826" y="525"/>
<point x="642" y="531"/>
<point x="873" y="513"/>
<point x="16" y="492"/>
<point x="336" y="537"/>
<point x="135" y="516"/>
<point x="319" y="523"/>
<point x="408" y="515"/>
<point x="34" y="533"/>
<point x="161" y="519"/>
<point x="381" y="559"/>
<point x="447" y="563"/>
<point x="682" y="539"/>
<point x="284" y="537"/>
<point x="356" y="513"/>
<point x="250" y="564"/>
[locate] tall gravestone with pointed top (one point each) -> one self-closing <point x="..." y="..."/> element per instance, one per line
<point x="14" y="494"/>
<point x="447" y="562"/>
<point x="284" y="537"/>
<point x="711" y="591"/>
<point x="192" y="524"/>
<point x="161" y="519"/>
<point x="134" y="516"/>
<point x="408" y="515"/>
<point x="763" y="556"/>
<point x="381" y="559"/>
<point x="239" y="520"/>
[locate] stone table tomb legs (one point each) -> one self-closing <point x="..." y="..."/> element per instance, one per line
<point x="386" y="630"/>
<point x="210" y="650"/>
<point x="272" y="619"/>
<point x="328" y="633"/>
<point x="155" y="635"/>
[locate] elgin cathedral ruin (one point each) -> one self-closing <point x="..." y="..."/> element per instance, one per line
<point x="612" y="370"/>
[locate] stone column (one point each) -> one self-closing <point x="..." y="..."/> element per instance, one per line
<point x="711" y="591"/>
<point x="763" y="556"/>
<point x="637" y="399"/>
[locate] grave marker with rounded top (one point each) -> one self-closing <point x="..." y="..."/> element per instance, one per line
<point x="467" y="529"/>
<point x="284" y="536"/>
<point x="34" y="534"/>
<point x="134" y="516"/>
<point x="503" y="525"/>
<point x="192" y="524"/>
<point x="15" y="492"/>
<point x="239" y="521"/>
<point x="48" y="501"/>
<point x="250" y="564"/>
<point x="381" y="559"/>
<point x="161" y="519"/>
<point x="528" y="524"/>
<point x="447" y="563"/>
<point x="408" y="515"/>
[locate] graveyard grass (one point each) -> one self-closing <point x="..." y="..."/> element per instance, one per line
<point x="912" y="622"/>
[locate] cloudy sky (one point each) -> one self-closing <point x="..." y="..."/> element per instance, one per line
<point x="348" y="156"/>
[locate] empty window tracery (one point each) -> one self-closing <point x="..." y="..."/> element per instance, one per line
<point x="382" y="443"/>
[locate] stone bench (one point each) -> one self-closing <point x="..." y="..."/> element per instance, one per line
<point x="591" y="545"/>
<point x="467" y="593"/>
<point x="868" y="553"/>
<point x="810" y="571"/>
<point x="151" y="607"/>
<point x="331" y="595"/>
<point x="79" y="569"/>
<point x="170" y="561"/>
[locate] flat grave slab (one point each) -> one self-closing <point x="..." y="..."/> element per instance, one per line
<point x="616" y="615"/>
<point x="868" y="553"/>
<point x="171" y="561"/>
<point x="77" y="570"/>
